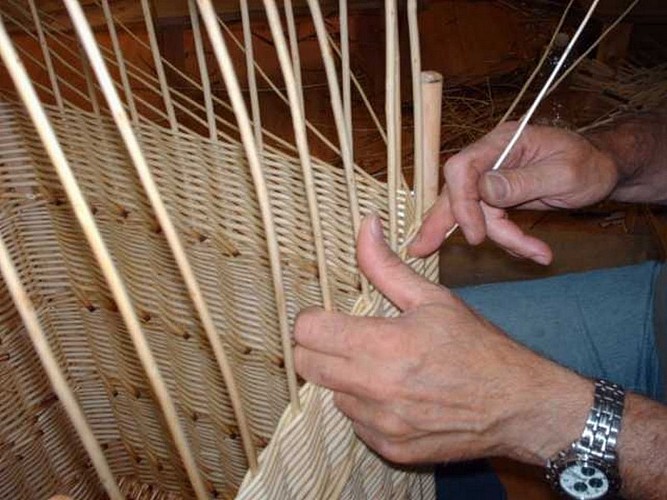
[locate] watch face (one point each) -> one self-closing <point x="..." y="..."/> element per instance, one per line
<point x="584" y="481"/>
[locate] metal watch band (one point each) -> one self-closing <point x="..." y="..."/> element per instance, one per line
<point x="603" y="424"/>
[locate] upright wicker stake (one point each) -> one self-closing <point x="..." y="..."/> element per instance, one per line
<point x="302" y="144"/>
<point x="391" y="119"/>
<point x="167" y="225"/>
<point x="417" y="107"/>
<point x="50" y="363"/>
<point x="120" y="60"/>
<point x="157" y="61"/>
<point x="342" y="127"/>
<point x="234" y="90"/>
<point x="46" y="54"/>
<point x="345" y="67"/>
<point x="294" y="49"/>
<point x="89" y="227"/>
<point x="203" y="69"/>
<point x="250" y="71"/>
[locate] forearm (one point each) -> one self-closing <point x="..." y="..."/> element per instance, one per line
<point x="638" y="146"/>
<point x="643" y="449"/>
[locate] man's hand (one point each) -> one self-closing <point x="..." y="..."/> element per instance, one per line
<point x="548" y="168"/>
<point x="439" y="382"/>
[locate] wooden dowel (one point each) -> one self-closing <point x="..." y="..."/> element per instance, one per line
<point x="254" y="161"/>
<point x="203" y="69"/>
<point x="168" y="228"/>
<point x="250" y="71"/>
<point x="88" y="225"/>
<point x="302" y="145"/>
<point x="431" y="91"/>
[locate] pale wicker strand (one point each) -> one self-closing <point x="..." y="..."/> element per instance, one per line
<point x="167" y="225"/>
<point x="390" y="117"/>
<point x="398" y="128"/>
<point x="46" y="53"/>
<point x="157" y="61"/>
<point x="250" y="71"/>
<point x="540" y="63"/>
<point x="294" y="48"/>
<point x="56" y="376"/>
<point x="417" y="111"/>
<point x="89" y="227"/>
<point x="302" y="144"/>
<point x="345" y="68"/>
<point x="597" y="41"/>
<point x="538" y="99"/>
<point x="234" y="91"/>
<point x="203" y="69"/>
<point x="120" y="60"/>
<point x="342" y="127"/>
<point x="90" y="83"/>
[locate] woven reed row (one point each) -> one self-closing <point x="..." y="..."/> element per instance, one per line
<point x="211" y="194"/>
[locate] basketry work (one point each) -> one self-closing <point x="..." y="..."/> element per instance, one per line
<point x="154" y="272"/>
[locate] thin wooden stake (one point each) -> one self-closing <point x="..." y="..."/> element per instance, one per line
<point x="134" y="149"/>
<point x="157" y="61"/>
<point x="102" y="255"/>
<point x="252" y="153"/>
<point x="46" y="53"/>
<point x="345" y="68"/>
<point x="250" y="70"/>
<point x="390" y="117"/>
<point x="417" y="82"/>
<point x="203" y="69"/>
<point x="294" y="49"/>
<point x="342" y="127"/>
<point x="302" y="145"/>
<point x="120" y="61"/>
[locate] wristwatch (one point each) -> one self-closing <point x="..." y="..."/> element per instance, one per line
<point x="588" y="468"/>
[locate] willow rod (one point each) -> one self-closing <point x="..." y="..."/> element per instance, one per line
<point x="56" y="376"/>
<point x="538" y="99"/>
<point x="390" y="117"/>
<point x="250" y="71"/>
<point x="342" y="127"/>
<point x="120" y="60"/>
<point x="157" y="61"/>
<point x="102" y="255"/>
<point x="234" y="90"/>
<point x="46" y="53"/>
<point x="168" y="228"/>
<point x="294" y="49"/>
<point x="203" y="69"/>
<point x="416" y="73"/>
<point x="302" y="144"/>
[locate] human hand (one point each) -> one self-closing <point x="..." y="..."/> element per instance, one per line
<point x="437" y="383"/>
<point x="548" y="168"/>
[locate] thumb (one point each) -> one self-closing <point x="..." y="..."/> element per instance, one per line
<point x="387" y="272"/>
<point x="509" y="188"/>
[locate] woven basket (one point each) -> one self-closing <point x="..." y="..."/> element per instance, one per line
<point x="252" y="279"/>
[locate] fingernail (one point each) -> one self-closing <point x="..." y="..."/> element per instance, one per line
<point x="542" y="259"/>
<point x="376" y="227"/>
<point x="496" y="185"/>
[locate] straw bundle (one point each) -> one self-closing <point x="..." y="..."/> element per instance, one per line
<point x="152" y="272"/>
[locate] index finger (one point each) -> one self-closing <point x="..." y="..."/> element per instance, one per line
<point x="332" y="333"/>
